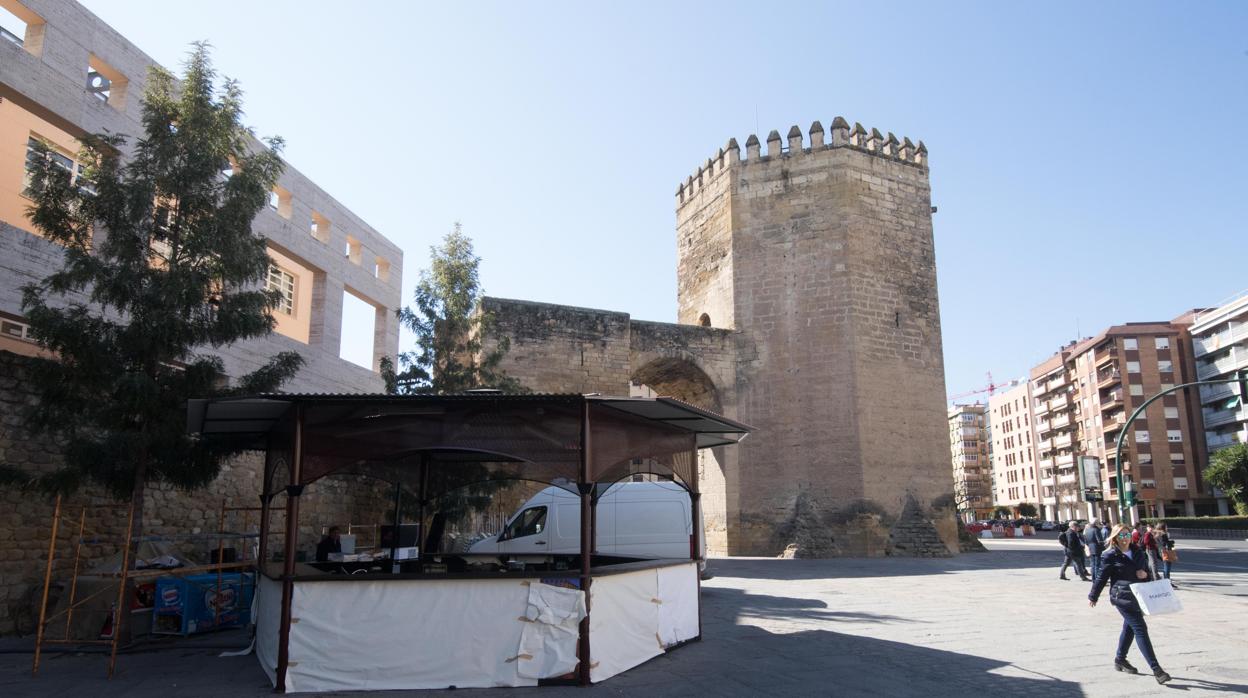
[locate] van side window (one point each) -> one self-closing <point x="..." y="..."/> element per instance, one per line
<point x="531" y="521"/>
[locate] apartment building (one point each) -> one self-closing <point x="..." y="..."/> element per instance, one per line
<point x="65" y="73"/>
<point x="1014" y="471"/>
<point x="1083" y="396"/>
<point x="972" y="469"/>
<point x="1220" y="348"/>
<point x="1053" y="432"/>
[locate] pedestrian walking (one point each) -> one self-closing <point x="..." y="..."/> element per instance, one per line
<point x="1094" y="537"/>
<point x="1161" y="535"/>
<point x="1122" y="565"/>
<point x="1149" y="543"/>
<point x="1072" y="542"/>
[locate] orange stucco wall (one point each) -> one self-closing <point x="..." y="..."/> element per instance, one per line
<point x="16" y="125"/>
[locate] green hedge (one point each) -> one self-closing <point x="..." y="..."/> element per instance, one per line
<point x="1222" y="522"/>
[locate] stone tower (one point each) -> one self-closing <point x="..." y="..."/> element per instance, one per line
<point x="819" y="255"/>
<point x="807" y="292"/>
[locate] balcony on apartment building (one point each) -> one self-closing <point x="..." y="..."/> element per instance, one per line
<point x="1062" y="441"/>
<point x="1216" y="393"/>
<point x="1066" y="460"/>
<point x="1046" y="467"/>
<point x="1220" y="341"/>
<point x="1216" y="418"/>
<point x="1039" y="407"/>
<point x="1061" y="421"/>
<point x="1111" y="401"/>
<point x="1060" y="402"/>
<point x="1105" y="354"/>
<point x="1042" y="425"/>
<point x="1216" y="441"/>
<point x="1044" y="445"/>
<point x="1226" y="364"/>
<point x="1104" y="379"/>
<point x="1114" y="422"/>
<point x="1066" y="479"/>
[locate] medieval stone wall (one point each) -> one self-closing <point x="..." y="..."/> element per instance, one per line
<point x="26" y="517"/>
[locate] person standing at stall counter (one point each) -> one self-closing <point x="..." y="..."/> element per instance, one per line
<point x="1122" y="565"/>
<point x="331" y="543"/>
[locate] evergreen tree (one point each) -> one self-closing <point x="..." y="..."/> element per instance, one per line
<point x="160" y="266"/>
<point x="448" y="322"/>
<point x="1228" y="471"/>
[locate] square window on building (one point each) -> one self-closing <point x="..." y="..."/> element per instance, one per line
<point x="353" y="251"/>
<point x="1137" y="389"/>
<point x="106" y="83"/>
<point x="1174" y="435"/>
<point x="1130" y="343"/>
<point x="283" y="282"/>
<point x="1177" y="459"/>
<point x="280" y="200"/>
<point x="1165" y="366"/>
<point x="320" y="227"/>
<point x="1167" y="386"/>
<point x="1172" y="413"/>
<point x="1146" y="458"/>
<point x="1133" y="367"/>
<point x="21" y="27"/>
<point x="1180" y="483"/>
<point x="1161" y="342"/>
<point x="1141" y="437"/>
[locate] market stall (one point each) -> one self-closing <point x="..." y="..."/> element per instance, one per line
<point x="436" y="623"/>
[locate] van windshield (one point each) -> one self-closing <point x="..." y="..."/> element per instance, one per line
<point x="530" y="521"/>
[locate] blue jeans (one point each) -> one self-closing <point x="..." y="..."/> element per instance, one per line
<point x="1133" y="627"/>
<point x="1096" y="565"/>
<point x="1165" y="568"/>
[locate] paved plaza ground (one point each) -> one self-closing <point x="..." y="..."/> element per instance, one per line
<point x="998" y="623"/>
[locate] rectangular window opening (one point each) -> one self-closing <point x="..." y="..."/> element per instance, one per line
<point x="320" y="227"/>
<point x="353" y="251"/>
<point x="106" y="83"/>
<point x="280" y="200"/>
<point x="359" y="322"/>
<point x="21" y="27"/>
<point x="381" y="269"/>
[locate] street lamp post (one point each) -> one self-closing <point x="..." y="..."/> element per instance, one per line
<point x="1241" y="378"/>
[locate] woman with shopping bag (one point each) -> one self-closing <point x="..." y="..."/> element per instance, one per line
<point x="1122" y="565"/>
<point x="1161" y="533"/>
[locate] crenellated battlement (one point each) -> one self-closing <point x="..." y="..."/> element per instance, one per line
<point x="840" y="135"/>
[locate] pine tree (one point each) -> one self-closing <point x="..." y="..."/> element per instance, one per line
<point x="160" y="267"/>
<point x="448" y="322"/>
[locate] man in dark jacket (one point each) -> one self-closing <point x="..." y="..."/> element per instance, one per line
<point x="1072" y="542"/>
<point x="1095" y="538"/>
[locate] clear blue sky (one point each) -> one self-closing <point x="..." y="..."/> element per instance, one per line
<point x="1076" y="149"/>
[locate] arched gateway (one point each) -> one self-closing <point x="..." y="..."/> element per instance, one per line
<point x="806" y="291"/>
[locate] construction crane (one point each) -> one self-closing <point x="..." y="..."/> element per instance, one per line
<point x="991" y="388"/>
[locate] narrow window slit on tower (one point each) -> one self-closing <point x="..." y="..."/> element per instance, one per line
<point x="897" y="319"/>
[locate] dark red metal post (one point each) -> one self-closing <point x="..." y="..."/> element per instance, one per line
<point x="586" y="488"/>
<point x="293" y="491"/>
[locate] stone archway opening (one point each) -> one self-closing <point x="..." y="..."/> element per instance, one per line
<point x="677" y="378"/>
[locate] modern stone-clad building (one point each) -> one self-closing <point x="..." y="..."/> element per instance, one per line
<point x="1220" y="347"/>
<point x="807" y="308"/>
<point x="63" y="73"/>
<point x="1014" y="469"/>
<point x="972" y="465"/>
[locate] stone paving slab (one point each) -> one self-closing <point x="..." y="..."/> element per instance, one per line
<point x="994" y="624"/>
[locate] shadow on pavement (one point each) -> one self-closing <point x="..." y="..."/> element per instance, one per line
<point x="753" y="661"/>
<point x="845" y="568"/>
<point x="741" y="604"/>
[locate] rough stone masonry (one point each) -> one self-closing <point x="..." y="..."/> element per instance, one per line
<point x="806" y="285"/>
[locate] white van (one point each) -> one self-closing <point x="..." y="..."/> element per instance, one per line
<point x="635" y="519"/>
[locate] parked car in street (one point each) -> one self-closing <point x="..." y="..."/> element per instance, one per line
<point x="1047" y="526"/>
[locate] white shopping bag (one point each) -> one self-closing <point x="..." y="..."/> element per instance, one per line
<point x="1156" y="598"/>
